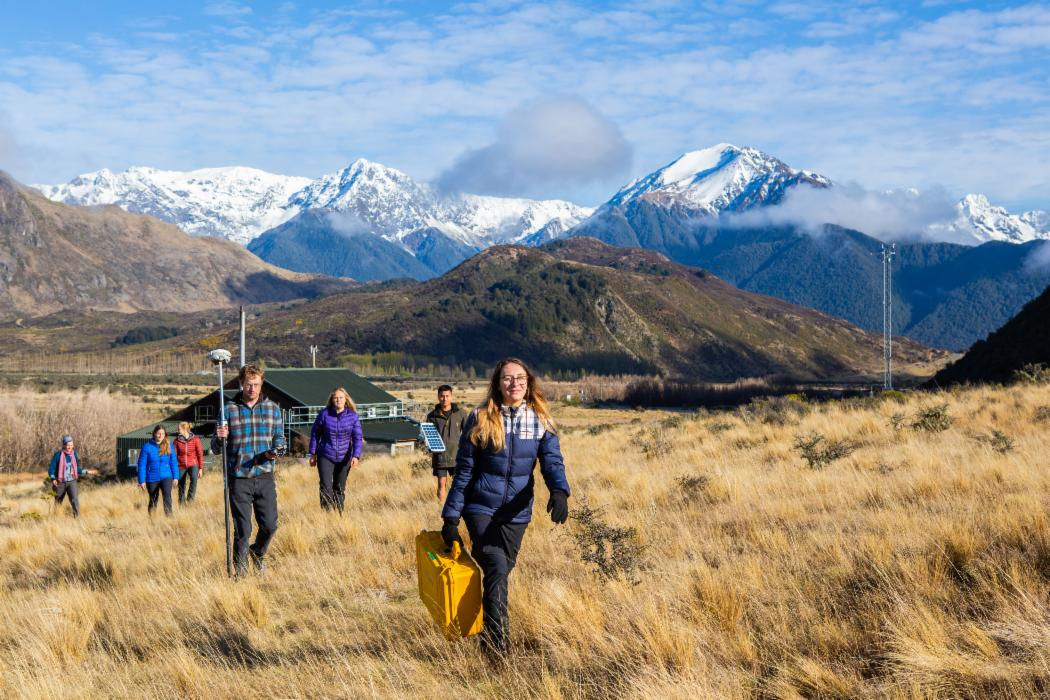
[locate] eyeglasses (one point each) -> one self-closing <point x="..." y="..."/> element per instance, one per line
<point x="519" y="379"/>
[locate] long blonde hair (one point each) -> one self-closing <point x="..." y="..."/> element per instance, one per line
<point x="488" y="430"/>
<point x="349" y="401"/>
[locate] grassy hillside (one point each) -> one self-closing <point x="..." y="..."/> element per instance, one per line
<point x="915" y="566"/>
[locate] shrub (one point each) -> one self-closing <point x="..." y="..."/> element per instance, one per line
<point x="932" y="419"/>
<point x="777" y="410"/>
<point x="1032" y="373"/>
<point x="997" y="440"/>
<point x="599" y="429"/>
<point x="819" y="452"/>
<point x="894" y="395"/>
<point x="612" y="551"/>
<point x="1042" y="414"/>
<point x="719" y="427"/>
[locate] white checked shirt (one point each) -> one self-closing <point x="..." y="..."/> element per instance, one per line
<point x="524" y="425"/>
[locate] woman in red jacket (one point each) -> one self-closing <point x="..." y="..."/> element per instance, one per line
<point x="190" y="453"/>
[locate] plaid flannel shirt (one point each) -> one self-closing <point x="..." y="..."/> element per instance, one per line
<point x="524" y="424"/>
<point x="252" y="432"/>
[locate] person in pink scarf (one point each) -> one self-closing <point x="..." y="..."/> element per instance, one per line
<point x="64" y="471"/>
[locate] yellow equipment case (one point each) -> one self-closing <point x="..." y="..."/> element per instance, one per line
<point x="449" y="585"/>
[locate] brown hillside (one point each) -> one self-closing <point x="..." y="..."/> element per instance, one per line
<point x="54" y="257"/>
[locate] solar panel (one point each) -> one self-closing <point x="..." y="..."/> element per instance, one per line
<point x="431" y="436"/>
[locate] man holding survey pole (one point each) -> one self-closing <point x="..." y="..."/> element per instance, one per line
<point x="254" y="433"/>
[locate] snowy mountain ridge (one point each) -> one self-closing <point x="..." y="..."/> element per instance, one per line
<point x="241" y="203"/>
<point x="720" y="179"/>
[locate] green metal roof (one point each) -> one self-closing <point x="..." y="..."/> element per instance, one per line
<point x="311" y="387"/>
<point x="389" y="430"/>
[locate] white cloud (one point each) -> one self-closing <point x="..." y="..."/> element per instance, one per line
<point x="894" y="215"/>
<point x="1038" y="261"/>
<point x="551" y="141"/>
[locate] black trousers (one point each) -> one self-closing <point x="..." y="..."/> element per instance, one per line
<point x="187" y="475"/>
<point x="155" y="489"/>
<point x="69" y="488"/>
<point x="494" y="546"/>
<point x="258" y="494"/>
<point x="332" y="478"/>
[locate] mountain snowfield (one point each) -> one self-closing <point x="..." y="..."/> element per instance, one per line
<point x="240" y="203"/>
<point x="722" y="178"/>
<point x="987" y="222"/>
<point x="236" y="203"/>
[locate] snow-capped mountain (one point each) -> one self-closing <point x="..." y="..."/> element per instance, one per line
<point x="241" y="203"/>
<point x="722" y="178"/>
<point x="235" y="203"/>
<point x="987" y="222"/>
<point x="394" y="205"/>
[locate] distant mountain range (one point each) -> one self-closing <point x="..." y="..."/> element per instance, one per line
<point x="55" y="257"/>
<point x="370" y="222"/>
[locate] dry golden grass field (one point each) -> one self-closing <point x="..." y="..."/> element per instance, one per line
<point x="911" y="560"/>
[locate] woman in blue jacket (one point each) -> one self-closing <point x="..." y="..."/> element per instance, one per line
<point x="158" y="468"/>
<point x="335" y="447"/>
<point x="493" y="487"/>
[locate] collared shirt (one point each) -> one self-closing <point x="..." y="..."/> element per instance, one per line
<point x="522" y="422"/>
<point x="253" y="430"/>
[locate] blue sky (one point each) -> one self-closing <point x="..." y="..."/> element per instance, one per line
<point x="885" y="94"/>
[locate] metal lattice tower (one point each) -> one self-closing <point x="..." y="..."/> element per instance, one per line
<point x="887" y="315"/>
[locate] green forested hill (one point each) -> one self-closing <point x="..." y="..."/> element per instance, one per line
<point x="945" y="295"/>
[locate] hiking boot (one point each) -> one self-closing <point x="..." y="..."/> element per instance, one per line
<point x="240" y="568"/>
<point x="259" y="561"/>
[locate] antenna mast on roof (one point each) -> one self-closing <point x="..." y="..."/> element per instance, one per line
<point x="887" y="316"/>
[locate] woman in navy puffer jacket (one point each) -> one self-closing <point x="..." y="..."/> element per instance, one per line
<point x="158" y="469"/>
<point x="493" y="487"/>
<point x="335" y="447"/>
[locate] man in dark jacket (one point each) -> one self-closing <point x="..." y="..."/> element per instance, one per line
<point x="255" y="431"/>
<point x="449" y="419"/>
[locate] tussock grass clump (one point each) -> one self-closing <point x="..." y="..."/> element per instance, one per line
<point x="656" y="442"/>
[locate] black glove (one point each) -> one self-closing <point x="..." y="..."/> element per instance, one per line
<point x="558" y="506"/>
<point x="450" y="532"/>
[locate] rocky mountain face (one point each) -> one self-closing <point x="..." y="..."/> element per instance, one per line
<point x="54" y="256"/>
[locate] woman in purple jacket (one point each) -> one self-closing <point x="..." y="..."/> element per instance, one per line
<point x="335" y="446"/>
